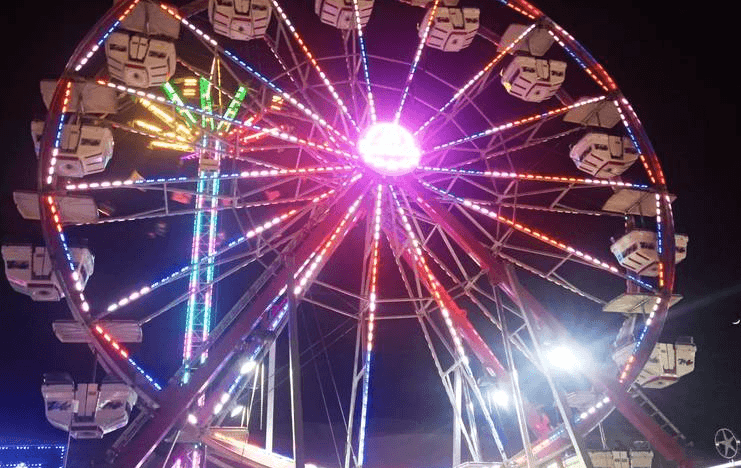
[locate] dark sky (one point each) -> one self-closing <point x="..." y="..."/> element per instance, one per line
<point x="672" y="63"/>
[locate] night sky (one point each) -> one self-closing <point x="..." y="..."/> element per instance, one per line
<point x="674" y="65"/>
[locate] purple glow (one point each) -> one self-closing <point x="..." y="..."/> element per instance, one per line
<point x="389" y="148"/>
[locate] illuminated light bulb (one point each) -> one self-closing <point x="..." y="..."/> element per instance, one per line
<point x="224" y="397"/>
<point x="192" y="419"/>
<point x="563" y="358"/>
<point x="236" y="410"/>
<point x="218" y="408"/>
<point x="247" y="367"/>
<point x="389" y="148"/>
<point x="499" y="397"/>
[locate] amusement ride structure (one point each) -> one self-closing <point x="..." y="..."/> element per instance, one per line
<point x="469" y="162"/>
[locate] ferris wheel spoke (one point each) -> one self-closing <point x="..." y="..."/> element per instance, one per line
<point x="310" y="56"/>
<point x="415" y="61"/>
<point x="489" y="154"/>
<point x="274" y="242"/>
<point x="558" y="208"/>
<point x="477" y="76"/>
<point x="498" y="146"/>
<point x="455" y="321"/>
<point x="161" y="183"/>
<point x="371" y="285"/>
<point x="205" y="286"/>
<point x="535" y="177"/>
<point x="423" y="312"/>
<point x="414" y="256"/>
<point x="498" y="243"/>
<point x="186" y="270"/>
<point x="273" y="132"/>
<point x="364" y="60"/>
<point x="533" y="233"/>
<point x="519" y="122"/>
<point x="211" y="43"/>
<point x="235" y="202"/>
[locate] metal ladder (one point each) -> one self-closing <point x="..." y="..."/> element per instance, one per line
<point x="656" y="414"/>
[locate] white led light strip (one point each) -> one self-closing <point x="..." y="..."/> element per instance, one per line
<point x="364" y="58"/>
<point x="415" y="62"/>
<point x="127" y="299"/>
<point x="476" y="77"/>
<point x="111" y="184"/>
<point x="337" y="235"/>
<point x="527" y="230"/>
<point x="434" y="286"/>
<point x="377" y="212"/>
<point x="536" y="177"/>
<point x="519" y="122"/>
<point x="313" y="61"/>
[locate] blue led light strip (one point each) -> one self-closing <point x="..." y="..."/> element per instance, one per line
<point x="415" y="62"/>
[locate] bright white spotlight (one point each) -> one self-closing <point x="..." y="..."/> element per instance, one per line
<point x="247" y="367"/>
<point x="236" y="411"/>
<point x="192" y="419"/>
<point x="389" y="148"/>
<point x="499" y="397"/>
<point x="562" y="358"/>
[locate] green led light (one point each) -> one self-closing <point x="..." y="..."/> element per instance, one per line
<point x="175" y="98"/>
<point x="232" y="108"/>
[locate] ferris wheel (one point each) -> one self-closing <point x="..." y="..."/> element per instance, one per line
<point x="421" y="164"/>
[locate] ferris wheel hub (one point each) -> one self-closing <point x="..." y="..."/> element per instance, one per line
<point x="389" y="149"/>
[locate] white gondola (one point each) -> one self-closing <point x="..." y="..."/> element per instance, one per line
<point x="72" y="208"/>
<point x="637" y="251"/>
<point x="641" y="458"/>
<point x="123" y="331"/>
<point x="341" y="13"/>
<point x="668" y="362"/>
<point x="453" y="29"/>
<point x="86" y="410"/>
<point x="29" y="270"/>
<point x="603" y="155"/>
<point x="620" y="458"/>
<point x="240" y="19"/>
<point x="139" y="60"/>
<point x="142" y="52"/>
<point x="83" y="150"/>
<point x="532" y="79"/>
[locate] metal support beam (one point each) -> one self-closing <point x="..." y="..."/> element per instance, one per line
<point x="297" y="413"/>
<point x="175" y="400"/>
<point x="457" y="423"/>
<point x="270" y="412"/>
<point x="514" y="381"/>
<point x="563" y="409"/>
<point x="604" y="382"/>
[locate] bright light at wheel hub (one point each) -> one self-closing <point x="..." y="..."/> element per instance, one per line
<point x="389" y="148"/>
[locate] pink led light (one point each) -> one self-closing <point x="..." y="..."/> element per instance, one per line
<point x="389" y="149"/>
